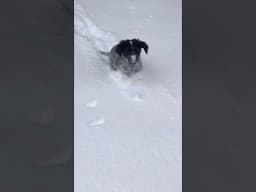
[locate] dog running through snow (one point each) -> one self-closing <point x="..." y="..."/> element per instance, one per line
<point x="125" y="56"/>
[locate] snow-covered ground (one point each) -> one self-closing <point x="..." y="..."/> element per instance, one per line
<point x="128" y="130"/>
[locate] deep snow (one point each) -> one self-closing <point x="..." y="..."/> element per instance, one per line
<point x="128" y="130"/>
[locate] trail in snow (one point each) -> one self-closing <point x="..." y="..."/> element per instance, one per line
<point x="84" y="27"/>
<point x="103" y="41"/>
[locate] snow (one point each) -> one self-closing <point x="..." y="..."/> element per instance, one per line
<point x="128" y="130"/>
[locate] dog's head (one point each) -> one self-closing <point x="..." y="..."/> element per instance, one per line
<point x="131" y="49"/>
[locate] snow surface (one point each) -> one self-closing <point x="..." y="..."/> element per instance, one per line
<point x="128" y="130"/>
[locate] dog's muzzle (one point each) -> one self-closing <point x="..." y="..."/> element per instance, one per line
<point x="132" y="59"/>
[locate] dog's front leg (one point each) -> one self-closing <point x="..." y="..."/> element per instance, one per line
<point x="138" y="66"/>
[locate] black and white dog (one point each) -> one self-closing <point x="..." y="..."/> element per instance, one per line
<point x="125" y="56"/>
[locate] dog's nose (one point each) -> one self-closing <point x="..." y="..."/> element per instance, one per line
<point x="133" y="58"/>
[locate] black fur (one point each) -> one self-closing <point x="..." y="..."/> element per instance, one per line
<point x="125" y="56"/>
<point x="126" y="48"/>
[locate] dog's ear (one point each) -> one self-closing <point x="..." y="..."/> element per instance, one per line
<point x="144" y="45"/>
<point x="120" y="48"/>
